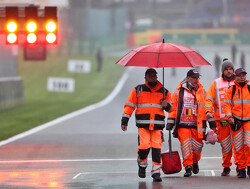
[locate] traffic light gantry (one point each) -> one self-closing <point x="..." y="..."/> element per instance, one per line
<point x="30" y="25"/>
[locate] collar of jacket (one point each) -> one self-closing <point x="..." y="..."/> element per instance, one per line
<point x="183" y="84"/>
<point x="157" y="87"/>
<point x="241" y="85"/>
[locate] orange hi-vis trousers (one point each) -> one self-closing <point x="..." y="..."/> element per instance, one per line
<point x="150" y="139"/>
<point x="191" y="145"/>
<point x="226" y="143"/>
<point x="241" y="142"/>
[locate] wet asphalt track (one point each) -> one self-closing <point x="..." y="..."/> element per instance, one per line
<point x="90" y="151"/>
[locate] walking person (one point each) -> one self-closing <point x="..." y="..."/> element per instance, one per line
<point x="242" y="61"/>
<point x="217" y="62"/>
<point x="99" y="59"/>
<point x="215" y="104"/>
<point x="189" y="119"/>
<point x="233" y="52"/>
<point x="149" y="101"/>
<point x="237" y="109"/>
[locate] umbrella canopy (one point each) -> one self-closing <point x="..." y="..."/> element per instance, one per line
<point x="160" y="55"/>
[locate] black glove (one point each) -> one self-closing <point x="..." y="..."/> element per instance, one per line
<point x="170" y="124"/>
<point x="168" y="107"/>
<point x="212" y="124"/>
<point x="237" y="125"/>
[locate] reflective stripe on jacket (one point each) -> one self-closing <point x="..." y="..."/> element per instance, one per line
<point x="215" y="97"/>
<point x="149" y="112"/>
<point x="239" y="105"/>
<point x="177" y="105"/>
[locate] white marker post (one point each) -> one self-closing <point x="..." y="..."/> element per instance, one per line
<point x="79" y="66"/>
<point x="61" y="84"/>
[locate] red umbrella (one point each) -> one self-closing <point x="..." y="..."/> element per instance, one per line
<point x="160" y="55"/>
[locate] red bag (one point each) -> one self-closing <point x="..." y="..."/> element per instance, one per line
<point x="171" y="162"/>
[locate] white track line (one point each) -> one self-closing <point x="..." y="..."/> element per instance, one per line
<point x="206" y="173"/>
<point x="80" y="160"/>
<point x="104" y="102"/>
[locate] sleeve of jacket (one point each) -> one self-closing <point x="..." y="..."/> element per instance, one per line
<point x="173" y="112"/>
<point x="169" y="100"/>
<point x="129" y="107"/>
<point x="209" y="101"/>
<point x="228" y="102"/>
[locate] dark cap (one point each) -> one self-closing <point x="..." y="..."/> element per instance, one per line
<point x="239" y="71"/>
<point x="193" y="73"/>
<point x="150" y="71"/>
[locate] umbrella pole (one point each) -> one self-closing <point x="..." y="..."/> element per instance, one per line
<point x="163" y="83"/>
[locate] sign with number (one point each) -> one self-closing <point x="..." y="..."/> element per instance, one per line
<point x="61" y="84"/>
<point x="79" y="66"/>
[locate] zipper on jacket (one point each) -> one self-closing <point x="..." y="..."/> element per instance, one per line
<point x="241" y="102"/>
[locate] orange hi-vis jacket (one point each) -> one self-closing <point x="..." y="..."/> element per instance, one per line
<point x="149" y="113"/>
<point x="215" y="97"/>
<point x="177" y="107"/>
<point x="238" y="106"/>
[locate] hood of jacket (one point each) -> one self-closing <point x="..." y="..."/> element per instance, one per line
<point x="157" y="87"/>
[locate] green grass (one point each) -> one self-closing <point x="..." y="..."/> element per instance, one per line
<point x="42" y="106"/>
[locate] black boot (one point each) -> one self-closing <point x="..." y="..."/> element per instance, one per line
<point x="142" y="172"/>
<point x="156" y="177"/>
<point x="188" y="170"/>
<point x="226" y="171"/>
<point x="195" y="167"/>
<point x="248" y="171"/>
<point x="242" y="173"/>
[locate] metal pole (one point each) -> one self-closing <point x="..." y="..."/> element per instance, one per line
<point x="163" y="84"/>
<point x="170" y="144"/>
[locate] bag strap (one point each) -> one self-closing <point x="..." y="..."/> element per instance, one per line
<point x="138" y="90"/>
<point x="234" y="88"/>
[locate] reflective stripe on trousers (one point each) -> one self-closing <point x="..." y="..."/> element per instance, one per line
<point x="155" y="169"/>
<point x="150" y="140"/>
<point x="226" y="144"/>
<point x="191" y="145"/>
<point x="241" y="141"/>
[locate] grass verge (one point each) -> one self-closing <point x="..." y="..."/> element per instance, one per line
<point x="42" y="105"/>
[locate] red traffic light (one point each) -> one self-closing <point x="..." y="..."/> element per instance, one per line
<point x="11" y="25"/>
<point x="51" y="24"/>
<point x="31" y="24"/>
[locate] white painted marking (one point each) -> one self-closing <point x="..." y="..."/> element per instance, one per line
<point x="91" y="173"/>
<point x="212" y="173"/>
<point x="107" y="100"/>
<point x="80" y="160"/>
<point x="206" y="173"/>
<point x="66" y="160"/>
<point x="209" y="172"/>
<point x="75" y="177"/>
